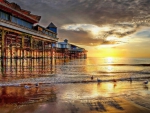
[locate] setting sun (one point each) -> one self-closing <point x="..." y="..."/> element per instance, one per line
<point x="109" y="60"/>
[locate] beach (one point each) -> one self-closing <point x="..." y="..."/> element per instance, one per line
<point x="70" y="89"/>
<point x="108" y="97"/>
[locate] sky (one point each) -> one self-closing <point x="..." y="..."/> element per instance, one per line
<point x="105" y="28"/>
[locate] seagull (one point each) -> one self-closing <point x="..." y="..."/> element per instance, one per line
<point x="98" y="80"/>
<point x="145" y="82"/>
<point x="37" y="84"/>
<point x="131" y="79"/>
<point x="26" y="86"/>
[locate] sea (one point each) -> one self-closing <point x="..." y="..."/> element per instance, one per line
<point x="103" y="68"/>
<point x="74" y="70"/>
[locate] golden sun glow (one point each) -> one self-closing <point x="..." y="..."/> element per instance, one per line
<point x="109" y="60"/>
<point x="109" y="38"/>
<point x="95" y="30"/>
<point x="109" y="68"/>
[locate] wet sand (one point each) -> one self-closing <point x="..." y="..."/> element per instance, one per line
<point x="108" y="97"/>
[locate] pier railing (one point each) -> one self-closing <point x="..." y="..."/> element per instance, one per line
<point x="17" y="27"/>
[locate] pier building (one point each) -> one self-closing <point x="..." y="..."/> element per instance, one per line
<point x="67" y="50"/>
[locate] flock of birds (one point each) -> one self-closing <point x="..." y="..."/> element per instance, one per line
<point x="145" y="82"/>
<point x="98" y="80"/>
<point x="114" y="80"/>
<point x="27" y="86"/>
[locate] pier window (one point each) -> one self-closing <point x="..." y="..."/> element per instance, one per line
<point x="63" y="46"/>
<point x="46" y="32"/>
<point x="54" y="35"/>
<point x="21" y="22"/>
<point x="43" y="31"/>
<point x="50" y="33"/>
<point x="4" y="15"/>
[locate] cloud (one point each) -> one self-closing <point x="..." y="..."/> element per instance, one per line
<point x="88" y="11"/>
<point x="84" y="38"/>
<point x="144" y="33"/>
<point x="118" y="18"/>
<point x="79" y="27"/>
<point x="102" y="33"/>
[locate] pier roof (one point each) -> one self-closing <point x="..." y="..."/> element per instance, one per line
<point x="73" y="48"/>
<point x="16" y="10"/>
<point x="51" y="25"/>
<point x="45" y="28"/>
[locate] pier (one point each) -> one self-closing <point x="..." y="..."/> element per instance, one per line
<point x="66" y="50"/>
<point x="21" y="42"/>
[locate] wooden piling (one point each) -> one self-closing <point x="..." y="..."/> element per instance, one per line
<point x="2" y="50"/>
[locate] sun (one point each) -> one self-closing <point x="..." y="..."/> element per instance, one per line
<point x="109" y="60"/>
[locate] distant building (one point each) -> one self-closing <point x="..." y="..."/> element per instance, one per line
<point x="67" y="50"/>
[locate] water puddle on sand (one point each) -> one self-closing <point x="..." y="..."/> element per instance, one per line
<point x="80" y="97"/>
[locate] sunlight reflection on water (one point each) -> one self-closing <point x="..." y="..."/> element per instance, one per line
<point x="76" y="70"/>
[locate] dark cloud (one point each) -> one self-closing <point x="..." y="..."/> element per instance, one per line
<point x="119" y="34"/>
<point x="97" y="12"/>
<point x="87" y="11"/>
<point x="84" y="38"/>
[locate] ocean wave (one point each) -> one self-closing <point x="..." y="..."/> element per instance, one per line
<point x="127" y="64"/>
<point x="54" y="81"/>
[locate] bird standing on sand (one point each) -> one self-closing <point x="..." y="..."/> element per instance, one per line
<point x="146" y="82"/>
<point x="26" y="86"/>
<point x="98" y="80"/>
<point x="37" y="84"/>
<point x="131" y="79"/>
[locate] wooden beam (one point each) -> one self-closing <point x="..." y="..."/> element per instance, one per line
<point x="31" y="46"/>
<point x="22" y="46"/>
<point x="3" y="33"/>
<point x="26" y="34"/>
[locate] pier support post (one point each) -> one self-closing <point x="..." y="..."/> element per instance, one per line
<point x="43" y="59"/>
<point x="5" y="53"/>
<point x="31" y="46"/>
<point x="42" y="49"/>
<point x="11" y="55"/>
<point x="16" y="54"/>
<point x="22" y="46"/>
<point x="30" y="52"/>
<point x="51" y="53"/>
<point x="2" y="50"/>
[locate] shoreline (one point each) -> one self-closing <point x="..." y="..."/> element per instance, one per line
<point x="6" y="83"/>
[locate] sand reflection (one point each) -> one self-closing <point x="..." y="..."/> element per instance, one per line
<point x="21" y="95"/>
